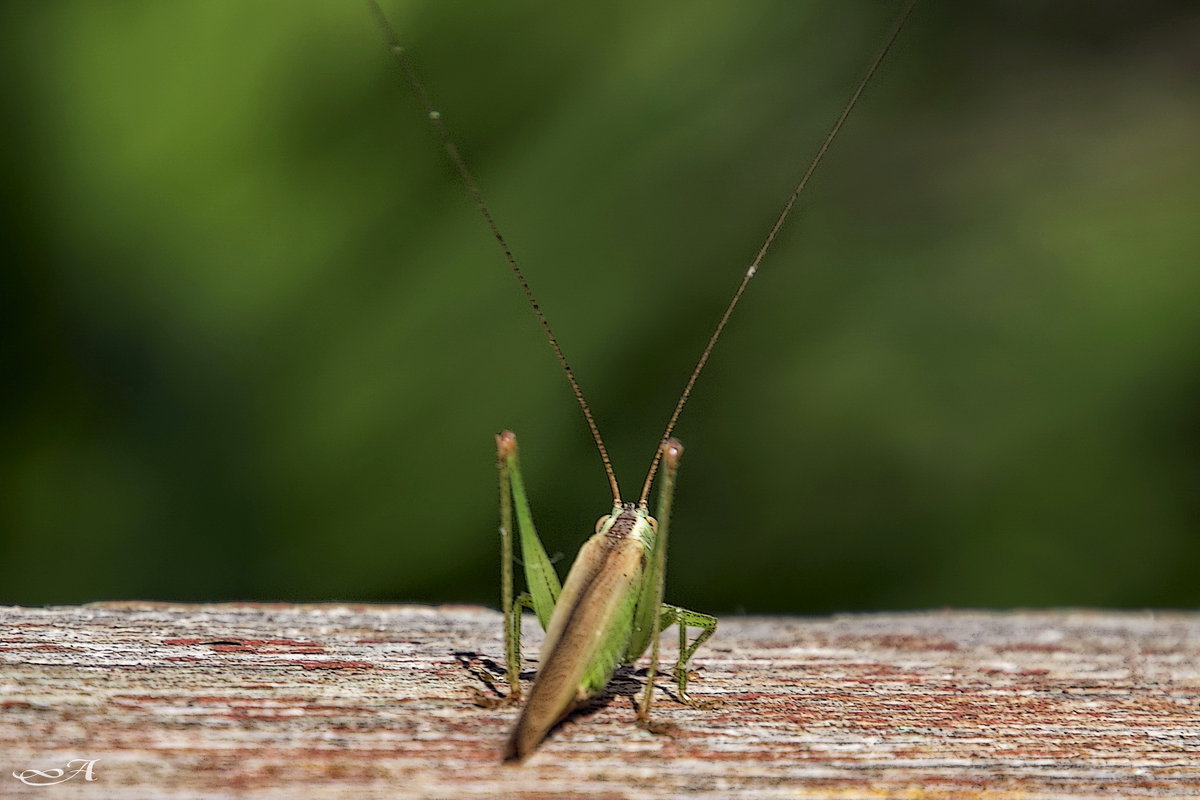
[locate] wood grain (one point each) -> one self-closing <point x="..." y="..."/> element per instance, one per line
<point x="339" y="701"/>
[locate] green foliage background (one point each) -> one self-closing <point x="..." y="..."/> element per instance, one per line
<point x="257" y="341"/>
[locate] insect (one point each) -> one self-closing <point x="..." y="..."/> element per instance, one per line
<point x="610" y="609"/>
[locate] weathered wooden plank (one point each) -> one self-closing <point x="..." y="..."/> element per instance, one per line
<point x="332" y="701"/>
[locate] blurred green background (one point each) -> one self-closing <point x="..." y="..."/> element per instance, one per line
<point x="257" y="341"/>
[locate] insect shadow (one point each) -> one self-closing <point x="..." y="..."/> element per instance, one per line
<point x="626" y="684"/>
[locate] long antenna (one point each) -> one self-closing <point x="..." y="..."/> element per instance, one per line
<point x="762" y="251"/>
<point x="439" y="126"/>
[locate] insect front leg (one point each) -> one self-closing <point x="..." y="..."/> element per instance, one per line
<point x="685" y="619"/>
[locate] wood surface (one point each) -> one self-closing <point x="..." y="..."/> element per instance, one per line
<point x="354" y="701"/>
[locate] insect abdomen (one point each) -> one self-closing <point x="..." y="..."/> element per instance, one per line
<point x="587" y="636"/>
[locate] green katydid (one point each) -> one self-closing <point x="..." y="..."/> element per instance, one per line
<point x="610" y="609"/>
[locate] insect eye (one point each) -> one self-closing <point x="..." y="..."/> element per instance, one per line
<point x="653" y="523"/>
<point x="600" y="522"/>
